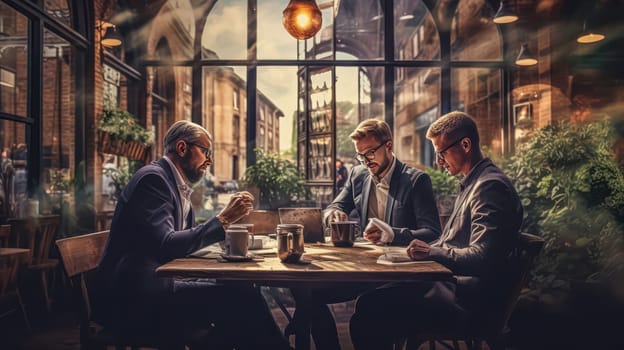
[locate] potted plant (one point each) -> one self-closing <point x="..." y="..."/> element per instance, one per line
<point x="119" y="132"/>
<point x="572" y="192"/>
<point x="277" y="181"/>
<point x="444" y="189"/>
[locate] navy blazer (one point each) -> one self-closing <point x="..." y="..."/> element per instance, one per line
<point x="410" y="209"/>
<point x="147" y="232"/>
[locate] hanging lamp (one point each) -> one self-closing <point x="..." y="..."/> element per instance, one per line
<point x="302" y="18"/>
<point x="525" y="57"/>
<point x="505" y="14"/>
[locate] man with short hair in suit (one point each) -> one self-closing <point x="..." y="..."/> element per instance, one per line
<point x="381" y="187"/>
<point x="476" y="241"/>
<point x="153" y="224"/>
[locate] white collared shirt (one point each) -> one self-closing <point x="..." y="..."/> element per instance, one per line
<point x="185" y="191"/>
<point x="379" y="193"/>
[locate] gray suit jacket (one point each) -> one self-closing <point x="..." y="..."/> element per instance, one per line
<point x="480" y="233"/>
<point x="410" y="209"/>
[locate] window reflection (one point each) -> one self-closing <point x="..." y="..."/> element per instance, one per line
<point x="58" y="121"/>
<point x="417" y="105"/>
<point x="225" y="31"/>
<point x="416" y="34"/>
<point x="473" y="35"/>
<point x="13" y="167"/>
<point x="477" y="92"/>
<point x="13" y="61"/>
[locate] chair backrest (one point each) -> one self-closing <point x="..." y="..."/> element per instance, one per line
<point x="521" y="260"/>
<point x="5" y="234"/>
<point x="81" y="254"/>
<point x="265" y="221"/>
<point x="310" y="218"/>
<point x="36" y="234"/>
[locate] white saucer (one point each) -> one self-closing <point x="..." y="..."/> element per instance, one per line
<point x="238" y="258"/>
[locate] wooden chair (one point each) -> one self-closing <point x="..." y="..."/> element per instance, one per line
<point x="37" y="234"/>
<point x="492" y="332"/>
<point x="81" y="255"/>
<point x="9" y="290"/>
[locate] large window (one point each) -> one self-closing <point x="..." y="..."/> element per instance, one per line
<point x="303" y="98"/>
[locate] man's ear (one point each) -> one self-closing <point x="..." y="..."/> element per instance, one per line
<point x="181" y="148"/>
<point x="466" y="144"/>
<point x="389" y="144"/>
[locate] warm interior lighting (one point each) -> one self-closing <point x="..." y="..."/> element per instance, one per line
<point x="302" y="18"/>
<point x="589" y="36"/>
<point x="525" y="57"/>
<point x="504" y="14"/>
<point x="111" y="37"/>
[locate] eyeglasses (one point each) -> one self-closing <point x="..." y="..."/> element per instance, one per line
<point x="370" y="155"/>
<point x="440" y="154"/>
<point x="207" y="151"/>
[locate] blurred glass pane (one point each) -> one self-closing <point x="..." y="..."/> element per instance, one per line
<point x="58" y="9"/>
<point x="359" y="29"/>
<point x="58" y="120"/>
<point x="225" y="32"/>
<point x="13" y="61"/>
<point x="417" y="105"/>
<point x="224" y="115"/>
<point x="415" y="34"/>
<point x="320" y="46"/>
<point x="14" y="166"/>
<point x="476" y="91"/>
<point x="474" y="37"/>
<point x="274" y="42"/>
<point x="277" y="96"/>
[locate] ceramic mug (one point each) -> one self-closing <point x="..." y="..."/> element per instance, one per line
<point x="289" y="242"/>
<point x="343" y="233"/>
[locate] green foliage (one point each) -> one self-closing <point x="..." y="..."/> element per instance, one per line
<point x="442" y="182"/>
<point x="573" y="195"/>
<point x="121" y="175"/>
<point x="279" y="181"/>
<point x="122" y="125"/>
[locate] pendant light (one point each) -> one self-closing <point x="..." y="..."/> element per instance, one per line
<point x="505" y="14"/>
<point x="111" y="37"/>
<point x="302" y="18"/>
<point x="589" y="36"/>
<point x="525" y="57"/>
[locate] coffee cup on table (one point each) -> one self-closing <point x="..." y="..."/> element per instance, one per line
<point x="254" y="243"/>
<point x="236" y="242"/>
<point x="343" y="233"/>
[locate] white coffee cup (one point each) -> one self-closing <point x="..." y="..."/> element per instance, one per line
<point x="236" y="242"/>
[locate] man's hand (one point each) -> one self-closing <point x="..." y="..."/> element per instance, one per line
<point x="334" y="215"/>
<point x="240" y="204"/>
<point x="372" y="232"/>
<point x="418" y="250"/>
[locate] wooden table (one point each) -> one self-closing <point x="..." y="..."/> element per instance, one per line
<point x="323" y="265"/>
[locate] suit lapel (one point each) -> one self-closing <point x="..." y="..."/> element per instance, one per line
<point x="176" y="193"/>
<point x="366" y="188"/>
<point x="393" y="192"/>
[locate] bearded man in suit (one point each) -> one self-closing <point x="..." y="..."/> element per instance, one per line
<point x="153" y="224"/>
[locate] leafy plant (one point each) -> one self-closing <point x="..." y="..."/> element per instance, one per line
<point x="573" y="195"/>
<point x="120" y="176"/>
<point x="122" y="125"/>
<point x="442" y="182"/>
<point x="278" y="180"/>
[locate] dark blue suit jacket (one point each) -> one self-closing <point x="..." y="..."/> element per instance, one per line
<point x="146" y="232"/>
<point x="410" y="209"/>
